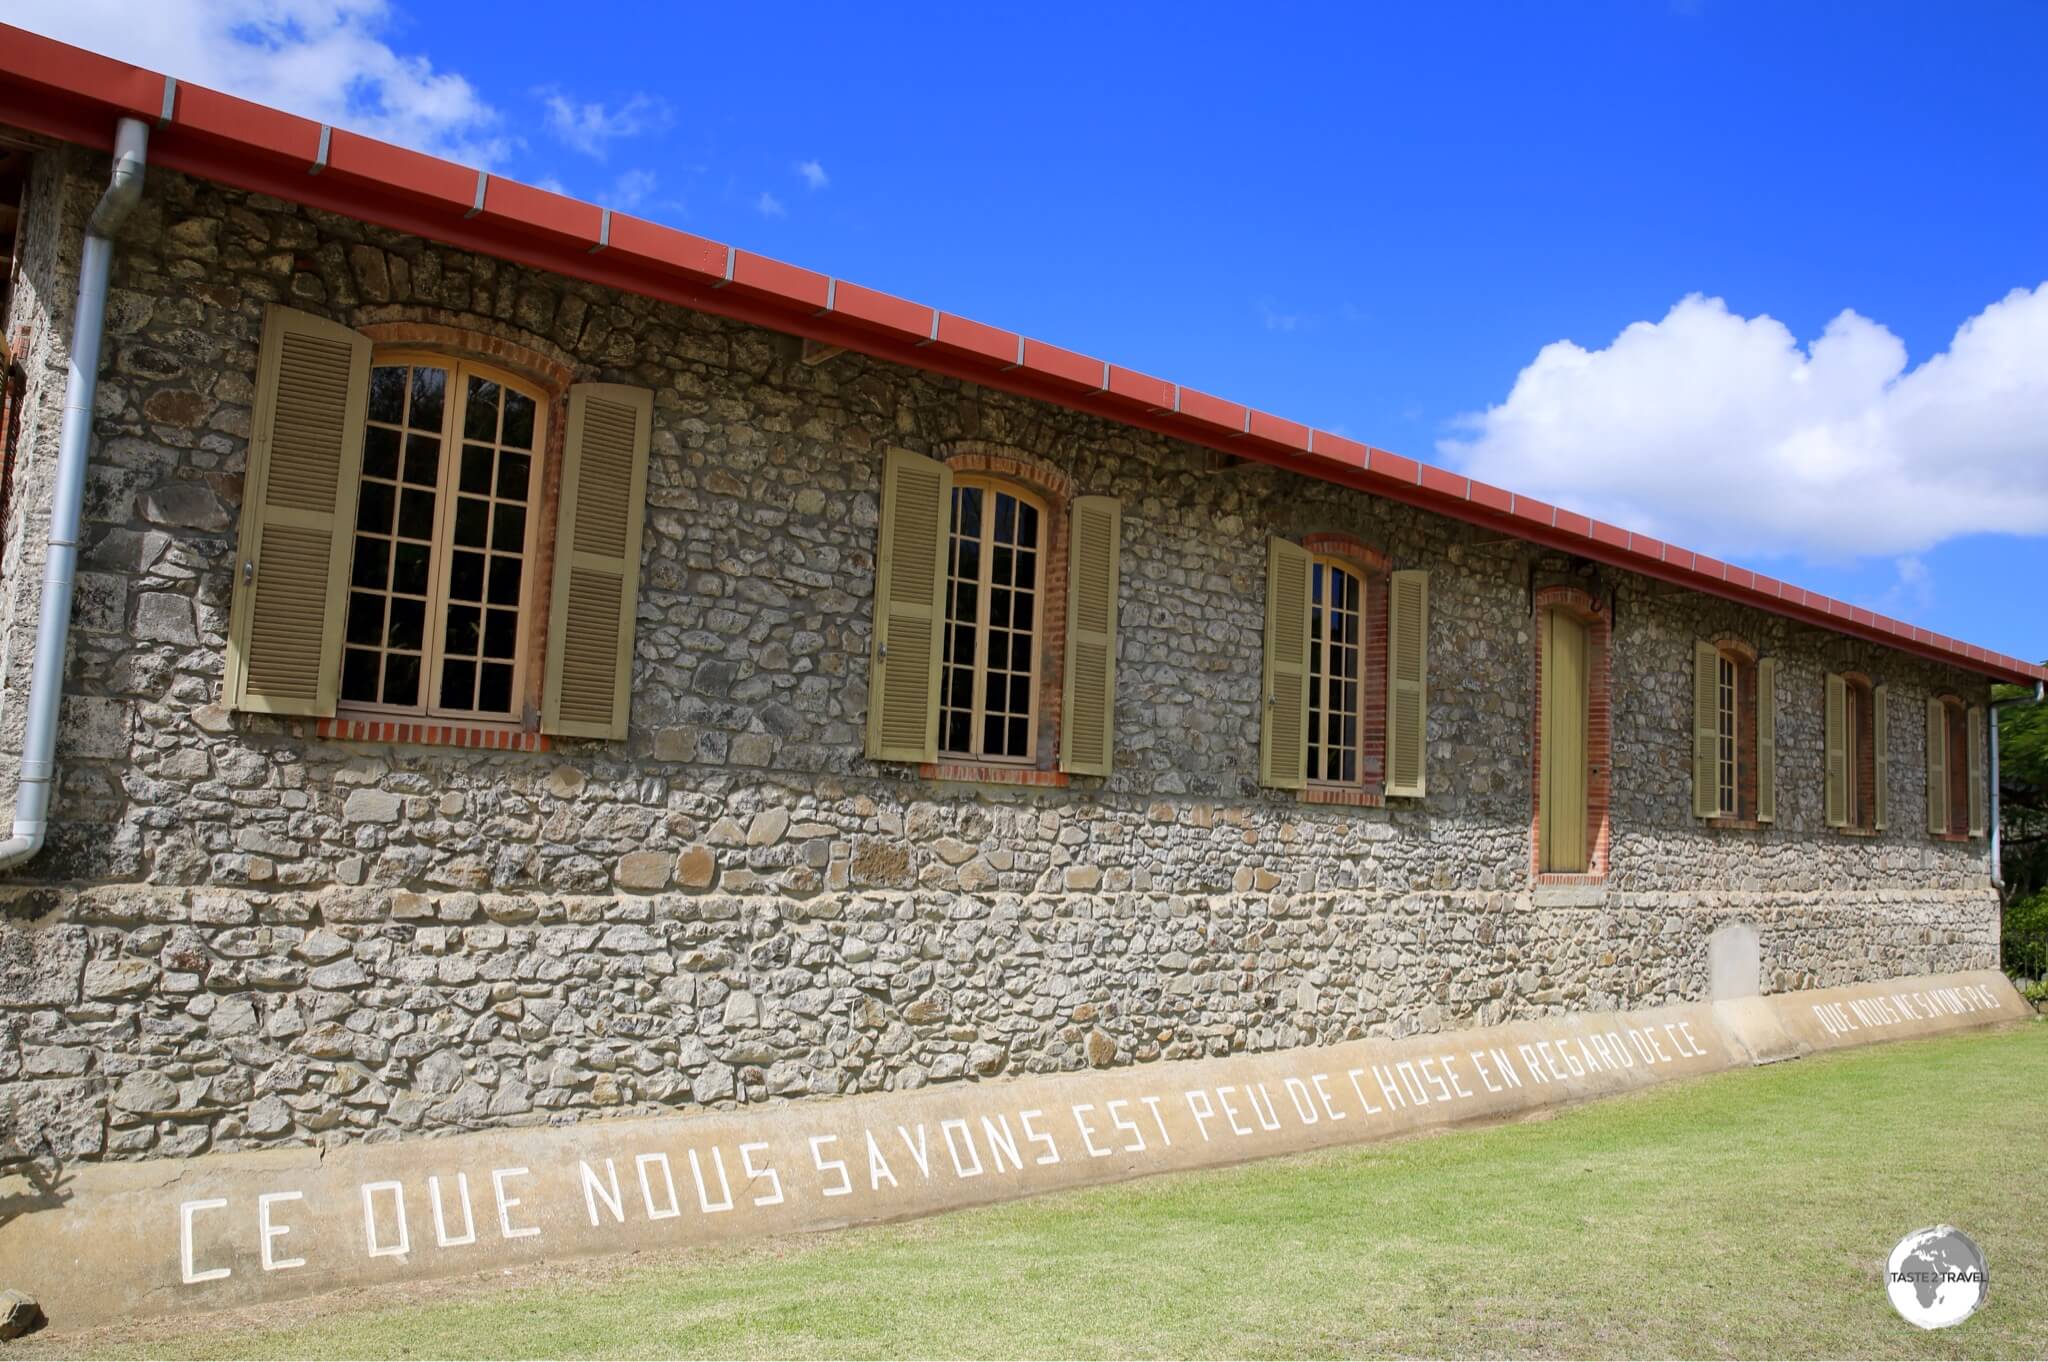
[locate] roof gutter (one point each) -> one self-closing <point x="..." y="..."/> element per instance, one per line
<point x="1997" y="849"/>
<point x="60" y="566"/>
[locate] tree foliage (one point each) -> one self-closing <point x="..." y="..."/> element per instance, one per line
<point x="2023" y="794"/>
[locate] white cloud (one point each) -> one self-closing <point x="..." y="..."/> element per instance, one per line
<point x="589" y="127"/>
<point x="770" y="206"/>
<point x="1274" y="318"/>
<point x="631" y="189"/>
<point x="1723" y="433"/>
<point x="814" y="175"/>
<point x="325" y="59"/>
<point x="1912" y="588"/>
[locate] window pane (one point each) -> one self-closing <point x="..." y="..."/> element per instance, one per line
<point x="466" y="577"/>
<point x="970" y="560"/>
<point x="1020" y="694"/>
<point x="518" y="421"/>
<point x="1027" y="523"/>
<point x="967" y="512"/>
<point x="416" y="513"/>
<point x="508" y="528"/>
<point x="999" y="608"/>
<point x="1016" y="747"/>
<point x="955" y="738"/>
<point x="1006" y="519"/>
<point x="365" y="617"/>
<point x="409" y="563"/>
<point x="480" y="418"/>
<point x="494" y="687"/>
<point x="373" y="507"/>
<point x="992" y="732"/>
<point x="380" y="453"/>
<point x="401" y="679"/>
<point x="1001" y="571"/>
<point x="514" y="472"/>
<point x="501" y="633"/>
<point x="422" y="459"/>
<point x="465" y="630"/>
<point x="476" y="469"/>
<point x="359" y="675"/>
<point x="458" y="684"/>
<point x="408" y="624"/>
<point x="428" y="386"/>
<point x="505" y="575"/>
<point x="372" y="563"/>
<point x="1027" y="569"/>
<point x="472" y="518"/>
<point x="387" y="393"/>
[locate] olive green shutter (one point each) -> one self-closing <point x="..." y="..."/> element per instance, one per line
<point x="1407" y="683"/>
<point x="1767" y="740"/>
<point x="1283" y="726"/>
<point x="1937" y="766"/>
<point x="1088" y="707"/>
<point x="588" y="688"/>
<point x="1976" y="759"/>
<point x="298" y="515"/>
<point x="1880" y="756"/>
<point x="1837" y="752"/>
<point x="1706" y="730"/>
<point x="910" y="610"/>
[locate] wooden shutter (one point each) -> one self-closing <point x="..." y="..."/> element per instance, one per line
<point x="1706" y="730"/>
<point x="298" y="515"/>
<point x="1937" y="766"/>
<point x="1088" y="706"/>
<point x="1767" y="740"/>
<point x="588" y="687"/>
<point x="1283" y="726"/>
<point x="910" y="608"/>
<point x="1976" y="758"/>
<point x="1407" y="683"/>
<point x="1880" y="755"/>
<point x="1837" y="724"/>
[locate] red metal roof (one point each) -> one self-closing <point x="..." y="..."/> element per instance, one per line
<point x="66" y="92"/>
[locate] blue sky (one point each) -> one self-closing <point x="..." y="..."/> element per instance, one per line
<point x="1373" y="218"/>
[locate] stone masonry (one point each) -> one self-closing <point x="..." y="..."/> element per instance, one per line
<point x="243" y="933"/>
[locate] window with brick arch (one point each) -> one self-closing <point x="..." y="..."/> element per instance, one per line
<point x="1336" y="673"/>
<point x="439" y="586"/>
<point x="995" y="559"/>
<point x="1735" y="767"/>
<point x="1862" y="754"/>
<point x="1957" y="719"/>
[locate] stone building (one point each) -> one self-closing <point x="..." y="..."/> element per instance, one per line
<point x="527" y="663"/>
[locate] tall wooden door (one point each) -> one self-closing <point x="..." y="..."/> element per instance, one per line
<point x="1565" y="698"/>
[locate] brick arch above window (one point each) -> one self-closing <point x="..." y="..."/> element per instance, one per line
<point x="1372" y="566"/>
<point x="1736" y="646"/>
<point x="1747" y="748"/>
<point x="1008" y="462"/>
<point x="1349" y="548"/>
<point x="553" y="371"/>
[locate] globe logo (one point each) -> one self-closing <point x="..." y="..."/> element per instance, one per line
<point x="1936" y="1277"/>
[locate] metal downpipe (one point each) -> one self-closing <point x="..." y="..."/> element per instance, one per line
<point x="81" y="388"/>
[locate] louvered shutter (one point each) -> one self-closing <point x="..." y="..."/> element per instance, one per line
<point x="1706" y="730"/>
<point x="1937" y="766"/>
<point x="588" y="688"/>
<point x="1088" y="707"/>
<point x="1880" y="756"/>
<point x="910" y="611"/>
<point x="298" y="515"/>
<point x="1977" y="787"/>
<point x="1837" y="723"/>
<point x="1283" y="726"/>
<point x="1767" y="740"/>
<point x="1408" y="683"/>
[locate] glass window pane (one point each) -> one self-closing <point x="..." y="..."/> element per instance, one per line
<point x="416" y="514"/>
<point x="1000" y="565"/>
<point x="480" y="418"/>
<point x="458" y="684"/>
<point x="1027" y="568"/>
<point x="514" y="474"/>
<point x="967" y="512"/>
<point x="958" y="729"/>
<point x="465" y="630"/>
<point x="422" y="459"/>
<point x="428" y="385"/>
<point x="999" y="608"/>
<point x="409" y="564"/>
<point x="373" y="507"/>
<point x="387" y="393"/>
<point x="518" y="420"/>
<point x="1006" y="519"/>
<point x="970" y="560"/>
<point x="476" y="469"/>
<point x="1027" y="523"/>
<point x="1020" y="611"/>
<point x="466" y="577"/>
<point x="401" y="678"/>
<point x="380" y="453"/>
<point x="1016" y="745"/>
<point x="472" y="519"/>
<point x="359" y="675"/>
<point x="494" y="687"/>
<point x="372" y="563"/>
<point x="501" y="633"/>
<point x="992" y="731"/>
<point x="508" y="528"/>
<point x="1020" y="694"/>
<point x="365" y="617"/>
<point x="408" y="624"/>
<point x="505" y="575"/>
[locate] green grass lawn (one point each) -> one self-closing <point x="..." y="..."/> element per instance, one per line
<point x="1743" y="1215"/>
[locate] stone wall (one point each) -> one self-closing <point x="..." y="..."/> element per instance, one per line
<point x="242" y="933"/>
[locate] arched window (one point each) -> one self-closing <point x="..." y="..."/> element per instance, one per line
<point x="1336" y="668"/>
<point x="1857" y="732"/>
<point x="995" y="555"/>
<point x="1734" y="756"/>
<point x="440" y="570"/>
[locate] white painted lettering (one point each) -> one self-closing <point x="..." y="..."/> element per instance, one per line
<point x="946" y="1129"/>
<point x="825" y="1165"/>
<point x="186" y="1211"/>
<point x="1202" y="1113"/>
<point x="754" y="1175"/>
<point x="1119" y="1123"/>
<point x="1088" y="1132"/>
<point x="1304" y="1106"/>
<point x="267" y="1232"/>
<point x="1268" y="1118"/>
<point x="499" y="1176"/>
<point x="1001" y="1143"/>
<point x="404" y="1244"/>
<point x="704" y="1200"/>
<point x="878" y="1167"/>
<point x="594" y="1191"/>
<point x="441" y="1238"/>
<point x="659" y="1160"/>
<point x="1035" y="1136"/>
<point x="1152" y="1103"/>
